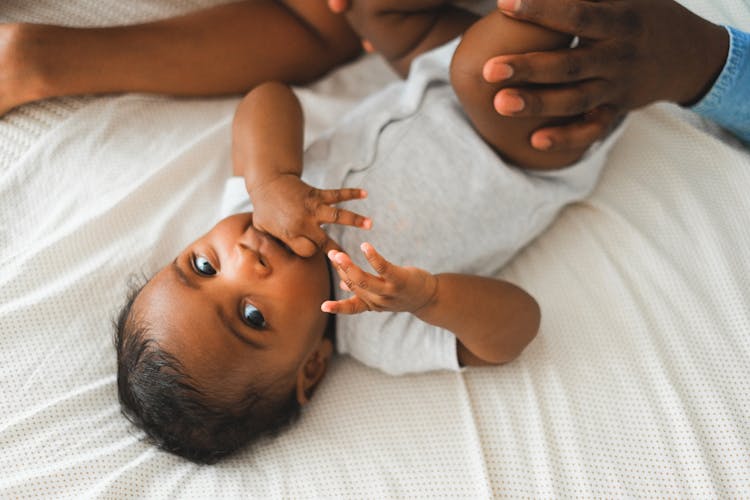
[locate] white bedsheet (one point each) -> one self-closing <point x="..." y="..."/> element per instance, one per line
<point x="638" y="384"/>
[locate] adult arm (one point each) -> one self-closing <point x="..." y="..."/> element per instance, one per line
<point x="224" y="49"/>
<point x="632" y="53"/>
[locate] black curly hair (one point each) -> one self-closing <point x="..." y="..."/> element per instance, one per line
<point x="160" y="398"/>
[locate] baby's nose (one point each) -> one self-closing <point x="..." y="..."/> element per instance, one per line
<point x="251" y="262"/>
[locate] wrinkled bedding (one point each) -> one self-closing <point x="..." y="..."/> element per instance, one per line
<point x="637" y="384"/>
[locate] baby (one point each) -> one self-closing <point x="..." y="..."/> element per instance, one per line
<point x="229" y="340"/>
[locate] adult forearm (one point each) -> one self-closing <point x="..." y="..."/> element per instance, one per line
<point x="224" y="49"/>
<point x="493" y="319"/>
<point x="728" y="100"/>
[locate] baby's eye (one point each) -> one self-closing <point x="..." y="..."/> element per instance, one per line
<point x="253" y="317"/>
<point x="203" y="266"/>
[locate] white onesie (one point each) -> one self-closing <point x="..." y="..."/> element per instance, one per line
<point x="439" y="198"/>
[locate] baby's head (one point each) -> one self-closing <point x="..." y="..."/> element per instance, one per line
<point x="225" y="344"/>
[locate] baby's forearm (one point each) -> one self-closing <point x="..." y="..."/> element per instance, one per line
<point x="267" y="135"/>
<point x="224" y="49"/>
<point x="493" y="320"/>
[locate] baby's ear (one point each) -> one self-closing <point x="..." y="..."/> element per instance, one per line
<point x="312" y="370"/>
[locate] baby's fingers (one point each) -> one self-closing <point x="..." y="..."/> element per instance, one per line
<point x="355" y="279"/>
<point x="304" y="247"/>
<point x="331" y="196"/>
<point x="352" y="305"/>
<point x="377" y="261"/>
<point x="334" y="215"/>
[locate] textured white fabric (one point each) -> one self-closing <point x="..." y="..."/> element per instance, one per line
<point x="637" y="385"/>
<point x="440" y="199"/>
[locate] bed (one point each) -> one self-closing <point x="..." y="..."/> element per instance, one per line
<point x="638" y="384"/>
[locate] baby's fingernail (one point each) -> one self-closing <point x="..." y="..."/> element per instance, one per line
<point x="331" y="254"/>
<point x="509" y="5"/>
<point x="507" y="104"/>
<point x="364" y="247"/>
<point x="366" y="224"/>
<point x="362" y="193"/>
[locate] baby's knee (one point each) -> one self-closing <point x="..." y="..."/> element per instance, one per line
<point x="491" y="36"/>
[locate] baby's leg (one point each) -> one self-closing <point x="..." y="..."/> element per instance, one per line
<point x="493" y="35"/>
<point x="400" y="30"/>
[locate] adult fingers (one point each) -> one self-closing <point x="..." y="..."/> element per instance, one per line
<point x="367" y="46"/>
<point x="568" y="100"/>
<point x="586" y="19"/>
<point x="338" y="6"/>
<point x="553" y="67"/>
<point x="352" y="305"/>
<point x="334" y="215"/>
<point x="578" y="135"/>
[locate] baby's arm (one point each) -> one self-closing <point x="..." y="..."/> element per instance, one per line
<point x="224" y="49"/>
<point x="493" y="320"/>
<point x="267" y="143"/>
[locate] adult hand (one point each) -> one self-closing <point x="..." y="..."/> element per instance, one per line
<point x="293" y="211"/>
<point x="395" y="288"/>
<point x="631" y="54"/>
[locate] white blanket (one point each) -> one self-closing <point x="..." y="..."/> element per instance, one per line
<point x="636" y="386"/>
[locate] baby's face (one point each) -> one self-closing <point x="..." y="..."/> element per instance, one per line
<point x="237" y="307"/>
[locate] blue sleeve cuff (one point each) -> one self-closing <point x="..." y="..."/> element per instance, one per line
<point x="728" y="101"/>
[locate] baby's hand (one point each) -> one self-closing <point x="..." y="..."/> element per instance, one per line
<point x="293" y="211"/>
<point x="395" y="288"/>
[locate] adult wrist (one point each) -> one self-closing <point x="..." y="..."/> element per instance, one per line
<point x="714" y="41"/>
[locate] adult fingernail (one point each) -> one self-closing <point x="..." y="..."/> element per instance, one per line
<point x="496" y="71"/>
<point x="542" y="143"/>
<point x="507" y="104"/>
<point x="509" y="5"/>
